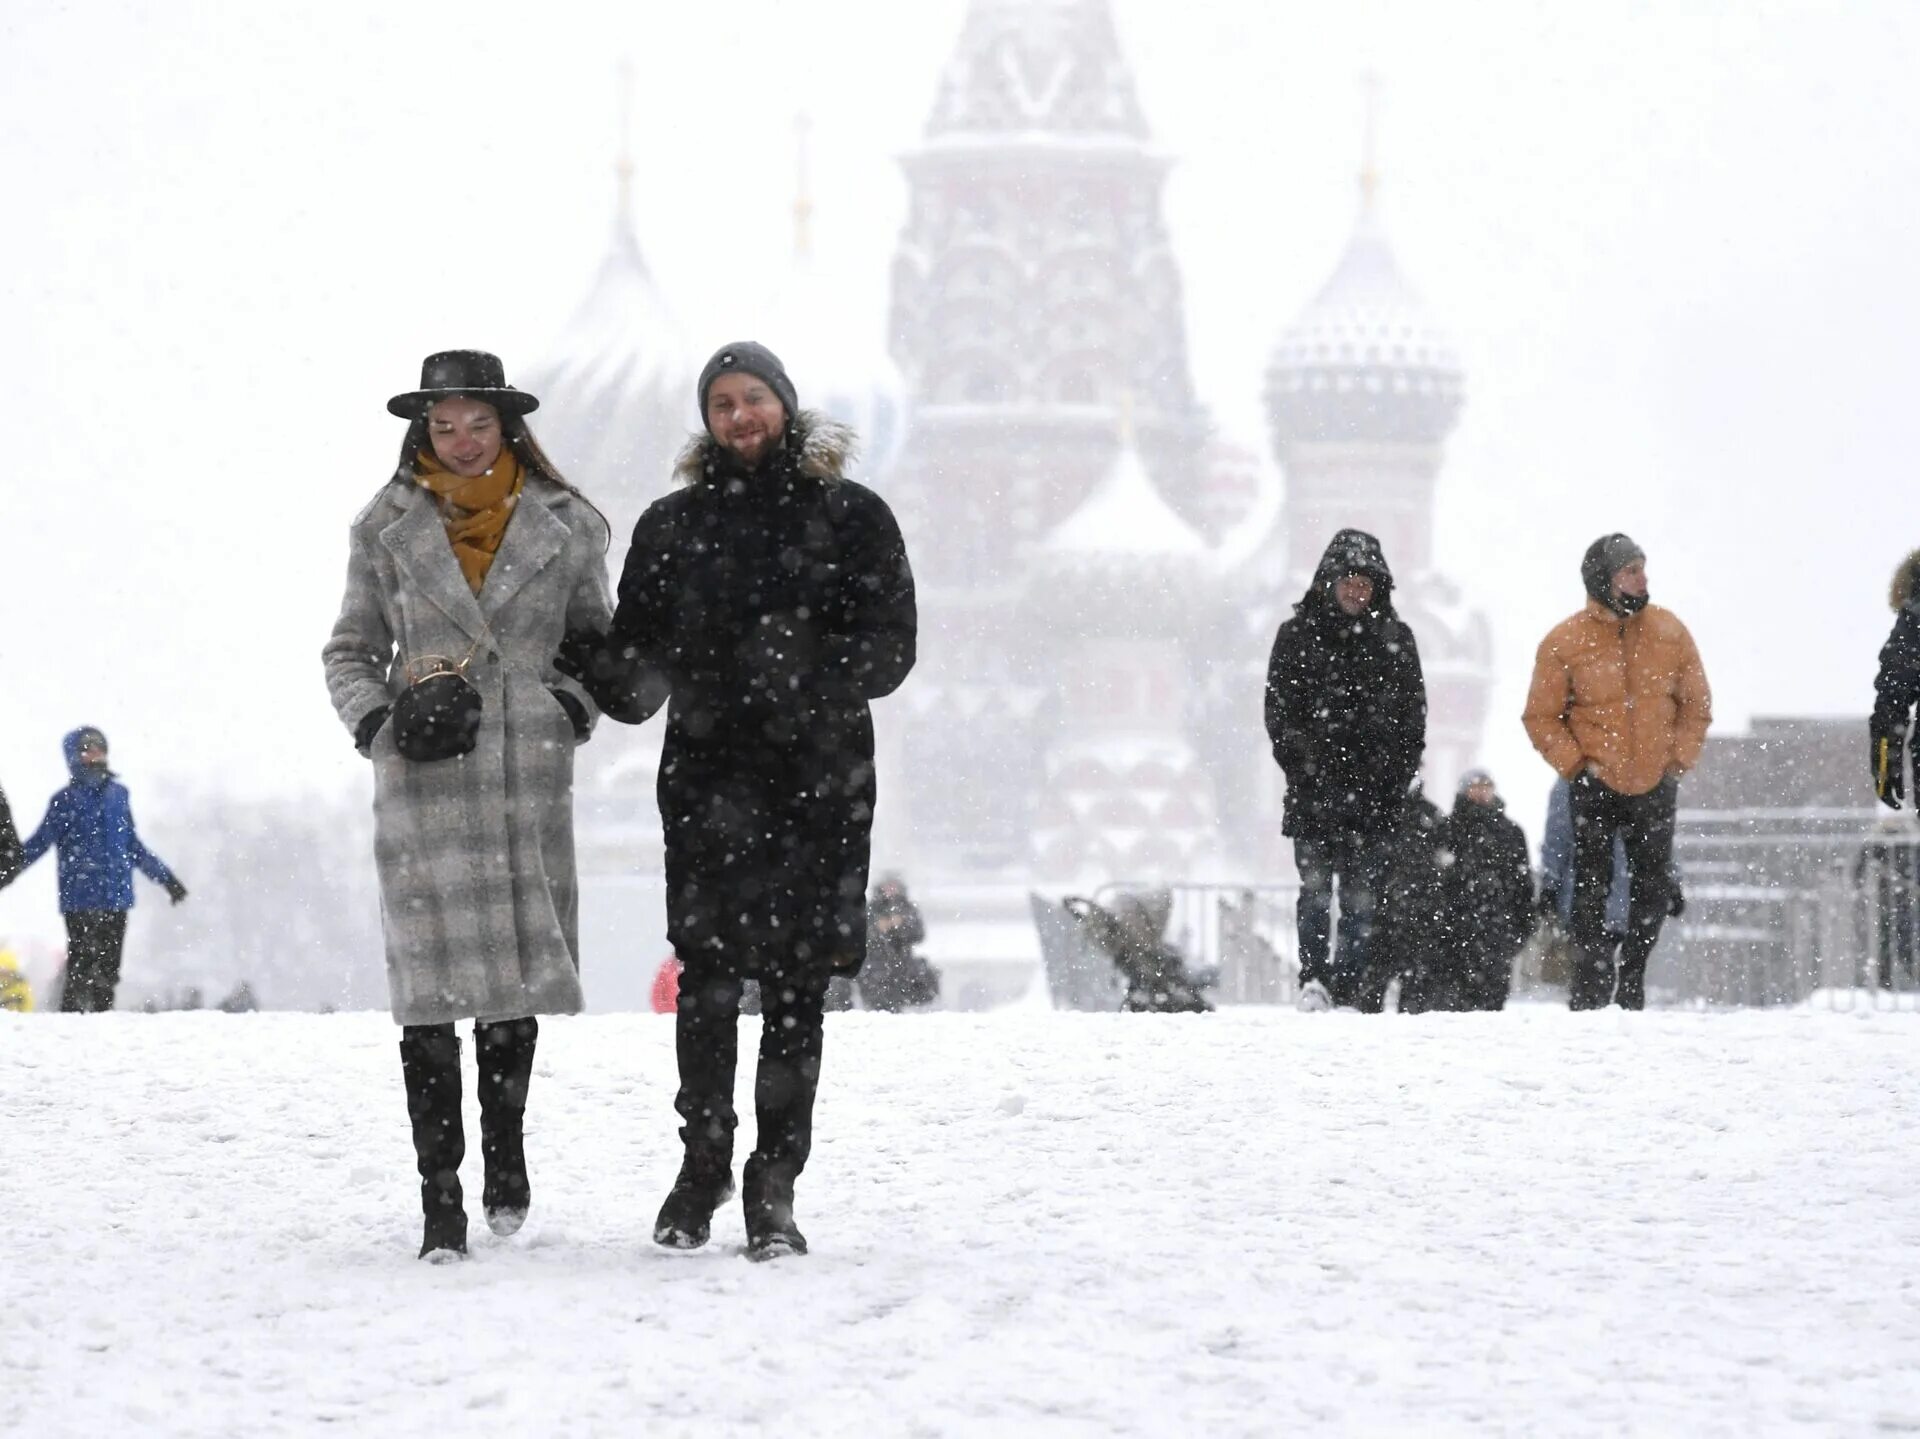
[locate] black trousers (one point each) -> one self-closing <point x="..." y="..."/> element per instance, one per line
<point x="1645" y="823"/>
<point x="95" y="939"/>
<point x="707" y="1041"/>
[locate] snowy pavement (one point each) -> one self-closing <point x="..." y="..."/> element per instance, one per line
<point x="1247" y="1223"/>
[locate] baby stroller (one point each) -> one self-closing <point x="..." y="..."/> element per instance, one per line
<point x="1132" y="934"/>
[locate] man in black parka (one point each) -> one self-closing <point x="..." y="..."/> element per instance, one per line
<point x="775" y="595"/>
<point x="1346" y="711"/>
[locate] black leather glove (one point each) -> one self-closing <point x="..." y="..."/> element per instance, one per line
<point x="1676" y="901"/>
<point x="582" y="726"/>
<point x="176" y="891"/>
<point x="369" y="727"/>
<point x="1885" y="754"/>
<point x="1548" y="903"/>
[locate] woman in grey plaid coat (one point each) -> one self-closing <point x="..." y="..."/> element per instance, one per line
<point x="475" y="550"/>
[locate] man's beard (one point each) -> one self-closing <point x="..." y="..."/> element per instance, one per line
<point x="765" y="449"/>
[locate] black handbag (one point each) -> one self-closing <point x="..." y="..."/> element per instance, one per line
<point x="437" y="715"/>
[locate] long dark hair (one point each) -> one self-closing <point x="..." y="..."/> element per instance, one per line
<point x="516" y="435"/>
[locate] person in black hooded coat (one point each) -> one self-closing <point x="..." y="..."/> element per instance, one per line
<point x="1896" y="689"/>
<point x="1346" y="712"/>
<point x="775" y="595"/>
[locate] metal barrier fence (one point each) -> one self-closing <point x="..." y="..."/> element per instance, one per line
<point x="1832" y="920"/>
<point x="1828" y="920"/>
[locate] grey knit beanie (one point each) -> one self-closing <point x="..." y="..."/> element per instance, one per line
<point x="750" y="358"/>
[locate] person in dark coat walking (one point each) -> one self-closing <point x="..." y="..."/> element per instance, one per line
<point x="1896" y="690"/>
<point x="1489" y="894"/>
<point x="776" y="596"/>
<point x="90" y="824"/>
<point x="895" y="978"/>
<point x="1346" y="712"/>
<point x="475" y="557"/>
<point x="10" y="860"/>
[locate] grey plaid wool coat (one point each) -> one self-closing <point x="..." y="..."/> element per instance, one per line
<point x="478" y="894"/>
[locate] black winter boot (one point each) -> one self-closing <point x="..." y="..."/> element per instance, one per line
<point x="430" y="1063"/>
<point x="767" y="1189"/>
<point x="505" y="1052"/>
<point x="705" y="1182"/>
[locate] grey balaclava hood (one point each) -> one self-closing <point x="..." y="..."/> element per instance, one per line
<point x="750" y="358"/>
<point x="1604" y="559"/>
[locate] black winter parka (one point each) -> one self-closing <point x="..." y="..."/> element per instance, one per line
<point x="777" y="602"/>
<point x="1346" y="703"/>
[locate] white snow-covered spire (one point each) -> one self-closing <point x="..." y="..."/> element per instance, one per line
<point x="1125" y="518"/>
<point x="616" y="386"/>
<point x="839" y="365"/>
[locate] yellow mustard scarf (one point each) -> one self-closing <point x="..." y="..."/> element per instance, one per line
<point x="475" y="510"/>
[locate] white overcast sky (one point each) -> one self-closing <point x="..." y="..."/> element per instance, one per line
<point x="1676" y="244"/>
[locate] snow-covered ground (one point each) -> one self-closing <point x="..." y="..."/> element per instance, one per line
<point x="1247" y="1223"/>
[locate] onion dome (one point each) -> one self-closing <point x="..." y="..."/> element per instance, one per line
<point x="1365" y="362"/>
<point x="616" y="390"/>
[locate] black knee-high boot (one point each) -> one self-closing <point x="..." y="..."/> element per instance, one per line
<point x="706" y="1040"/>
<point x="505" y="1052"/>
<point x="430" y="1063"/>
<point x="791" y="1043"/>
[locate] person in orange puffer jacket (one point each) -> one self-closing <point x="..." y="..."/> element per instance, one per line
<point x="1619" y="706"/>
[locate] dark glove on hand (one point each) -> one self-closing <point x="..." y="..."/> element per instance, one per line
<point x="177" y="891"/>
<point x="369" y="727"/>
<point x="582" y="726"/>
<point x="1676" y="902"/>
<point x="1886" y="746"/>
<point x="1548" y="904"/>
<point x="626" y="687"/>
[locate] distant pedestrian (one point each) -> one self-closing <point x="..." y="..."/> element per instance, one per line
<point x="463" y="574"/>
<point x="895" y="977"/>
<point x="1619" y="706"/>
<point x="10" y="858"/>
<point x="1896" y="689"/>
<point x="90" y="824"/>
<point x="1346" y="712"/>
<point x="1489" y="894"/>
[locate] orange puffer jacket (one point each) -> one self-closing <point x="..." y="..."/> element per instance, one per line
<point x="1627" y="696"/>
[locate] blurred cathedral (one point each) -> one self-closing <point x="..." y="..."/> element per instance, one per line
<point x="1100" y="573"/>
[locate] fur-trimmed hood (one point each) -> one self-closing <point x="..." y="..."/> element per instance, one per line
<point x="1906" y="583"/>
<point x="827" y="449"/>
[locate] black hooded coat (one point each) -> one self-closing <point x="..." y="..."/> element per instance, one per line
<point x="777" y="602"/>
<point x="1346" y="703"/>
<point x="1896" y="684"/>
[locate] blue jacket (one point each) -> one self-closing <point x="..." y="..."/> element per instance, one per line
<point x="1556" y="862"/>
<point x="90" y="822"/>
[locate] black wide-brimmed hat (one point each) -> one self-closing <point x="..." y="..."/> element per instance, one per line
<point x="473" y="373"/>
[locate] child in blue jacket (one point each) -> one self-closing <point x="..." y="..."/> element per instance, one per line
<point x="90" y="822"/>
